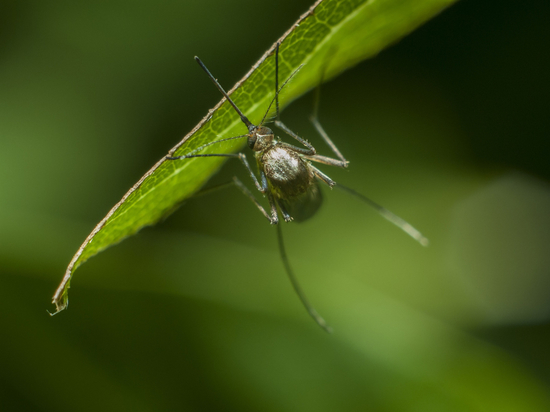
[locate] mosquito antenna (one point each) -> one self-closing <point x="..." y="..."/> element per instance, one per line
<point x="276" y="98"/>
<point x="220" y="88"/>
<point x="389" y="216"/>
<point x="313" y="313"/>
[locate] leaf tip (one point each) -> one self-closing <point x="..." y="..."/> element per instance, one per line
<point x="60" y="300"/>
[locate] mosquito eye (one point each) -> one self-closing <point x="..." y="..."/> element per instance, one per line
<point x="252" y="141"/>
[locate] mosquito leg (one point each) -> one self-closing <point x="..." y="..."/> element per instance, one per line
<point x="300" y="150"/>
<point x="263" y="187"/>
<point x="310" y="149"/>
<point x="198" y="149"/>
<point x="273" y="205"/>
<point x="240" y="156"/>
<point x="312" y="312"/>
<point x="265" y="190"/>
<point x="200" y="193"/>
<point x="320" y="175"/>
<point x="315" y="120"/>
<point x="329" y="142"/>
<point x="389" y="216"/>
<point x="284" y="212"/>
<point x="236" y="182"/>
<point x="212" y="189"/>
<point x="273" y="218"/>
<point x="327" y="161"/>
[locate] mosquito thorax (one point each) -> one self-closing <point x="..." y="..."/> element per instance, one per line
<point x="260" y="138"/>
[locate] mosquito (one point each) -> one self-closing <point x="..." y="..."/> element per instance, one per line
<point x="287" y="176"/>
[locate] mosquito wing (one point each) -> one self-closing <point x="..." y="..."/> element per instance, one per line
<point x="304" y="206"/>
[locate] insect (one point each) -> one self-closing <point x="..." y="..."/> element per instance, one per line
<point x="288" y="177"/>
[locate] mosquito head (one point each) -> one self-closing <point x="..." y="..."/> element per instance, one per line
<point x="260" y="138"/>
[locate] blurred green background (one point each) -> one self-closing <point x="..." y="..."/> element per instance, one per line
<point x="449" y="129"/>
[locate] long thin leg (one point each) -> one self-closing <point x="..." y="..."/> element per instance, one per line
<point x="315" y="120"/>
<point x="198" y="149"/>
<point x="240" y="156"/>
<point x="320" y="175"/>
<point x="328" y="161"/>
<point x="212" y="189"/>
<point x="389" y="216"/>
<point x="300" y="150"/>
<point x="239" y="185"/>
<point x="289" y="132"/>
<point x="201" y="192"/>
<point x="284" y="212"/>
<point x="273" y="218"/>
<point x="310" y="152"/>
<point x="273" y="205"/>
<point x="327" y="139"/>
<point x="312" y="312"/>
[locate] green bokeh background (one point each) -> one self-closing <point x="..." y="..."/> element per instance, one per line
<point x="449" y="129"/>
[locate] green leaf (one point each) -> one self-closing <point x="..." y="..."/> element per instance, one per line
<point x="331" y="37"/>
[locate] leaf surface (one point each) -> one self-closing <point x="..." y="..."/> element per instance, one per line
<point x="331" y="37"/>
